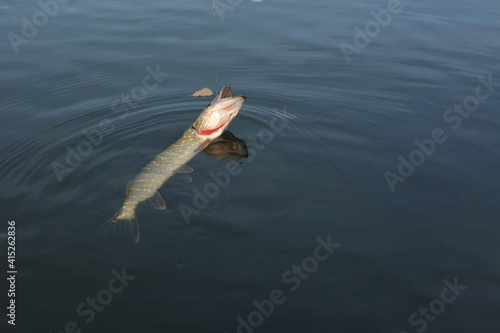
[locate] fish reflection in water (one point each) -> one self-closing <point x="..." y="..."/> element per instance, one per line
<point x="227" y="146"/>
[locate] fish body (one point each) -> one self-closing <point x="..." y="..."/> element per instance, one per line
<point x="209" y="125"/>
<point x="158" y="171"/>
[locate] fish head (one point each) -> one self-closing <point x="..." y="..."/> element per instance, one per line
<point x="212" y="122"/>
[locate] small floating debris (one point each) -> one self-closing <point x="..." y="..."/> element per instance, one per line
<point x="203" y="92"/>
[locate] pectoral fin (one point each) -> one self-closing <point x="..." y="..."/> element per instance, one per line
<point x="156" y="202"/>
<point x="187" y="177"/>
<point x="185" y="171"/>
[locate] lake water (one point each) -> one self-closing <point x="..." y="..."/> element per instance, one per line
<point x="368" y="201"/>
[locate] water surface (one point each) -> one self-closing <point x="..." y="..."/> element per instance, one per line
<point x="340" y="126"/>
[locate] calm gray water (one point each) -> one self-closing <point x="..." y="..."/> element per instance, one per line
<point x="368" y="201"/>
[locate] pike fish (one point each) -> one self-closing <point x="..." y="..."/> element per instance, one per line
<point x="209" y="125"/>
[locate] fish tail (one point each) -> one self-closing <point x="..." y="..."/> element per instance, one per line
<point x="126" y="224"/>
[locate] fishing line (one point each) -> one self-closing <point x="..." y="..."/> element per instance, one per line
<point x="215" y="46"/>
<point x="223" y="188"/>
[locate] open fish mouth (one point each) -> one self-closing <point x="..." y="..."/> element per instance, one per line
<point x="225" y="92"/>
<point x="226" y="110"/>
<point x="218" y="114"/>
